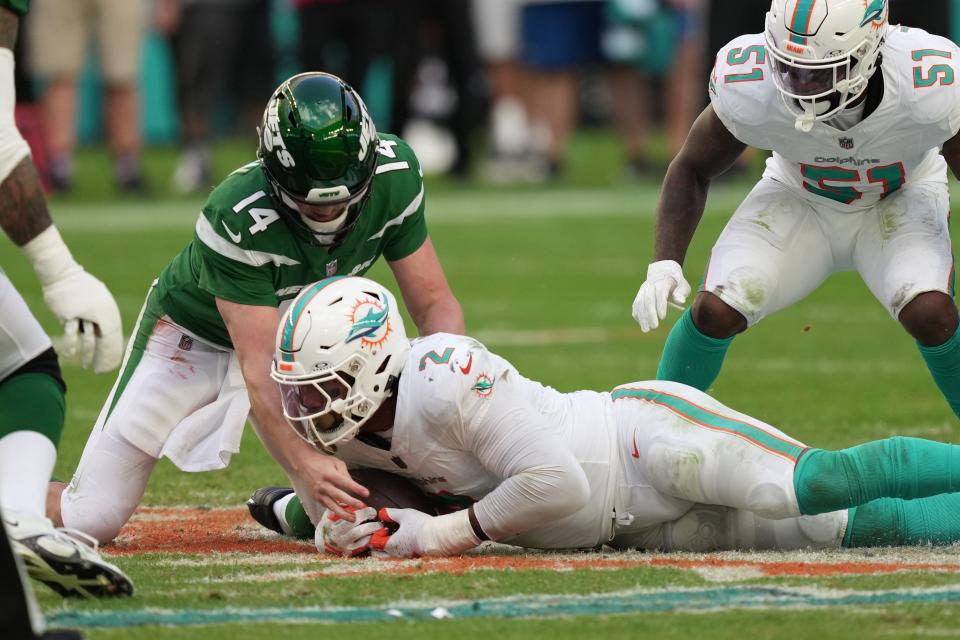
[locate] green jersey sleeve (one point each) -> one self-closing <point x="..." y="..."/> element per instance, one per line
<point x="226" y="278"/>
<point x="400" y="182"/>
<point x="240" y="242"/>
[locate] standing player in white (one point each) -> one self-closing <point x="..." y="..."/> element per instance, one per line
<point x="31" y="387"/>
<point x="652" y="465"/>
<point x="862" y="119"/>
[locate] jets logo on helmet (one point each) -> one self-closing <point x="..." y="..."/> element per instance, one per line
<point x="371" y="322"/>
<point x="272" y="138"/>
<point x="823" y="53"/>
<point x="368" y="132"/>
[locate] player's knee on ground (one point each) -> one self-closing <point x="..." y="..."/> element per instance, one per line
<point x="931" y="318"/>
<point x="107" y="487"/>
<point x="32" y="398"/>
<point x="13" y="148"/>
<point x="715" y="318"/>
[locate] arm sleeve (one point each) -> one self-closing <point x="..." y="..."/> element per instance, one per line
<point x="543" y="480"/>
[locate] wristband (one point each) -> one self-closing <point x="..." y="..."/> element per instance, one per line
<point x="450" y="534"/>
<point x="50" y="257"/>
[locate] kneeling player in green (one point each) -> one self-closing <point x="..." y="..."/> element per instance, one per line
<point x="327" y="195"/>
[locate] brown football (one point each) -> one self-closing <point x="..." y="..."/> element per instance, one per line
<point x="389" y="490"/>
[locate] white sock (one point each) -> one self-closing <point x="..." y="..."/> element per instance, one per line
<point x="280" y="510"/>
<point x="26" y="463"/>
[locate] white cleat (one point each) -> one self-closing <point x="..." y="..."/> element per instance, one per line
<point x="66" y="560"/>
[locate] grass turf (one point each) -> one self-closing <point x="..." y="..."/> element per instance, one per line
<point x="546" y="276"/>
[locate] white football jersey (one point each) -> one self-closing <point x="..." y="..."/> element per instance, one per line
<point x="445" y="441"/>
<point x="854" y="169"/>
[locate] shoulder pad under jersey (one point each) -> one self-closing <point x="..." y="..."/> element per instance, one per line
<point x="450" y="375"/>
<point x="741" y="90"/>
<point x="925" y="67"/>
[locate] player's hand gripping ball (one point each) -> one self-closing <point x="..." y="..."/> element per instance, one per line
<point x="339" y="537"/>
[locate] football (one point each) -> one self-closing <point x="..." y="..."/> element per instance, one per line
<point x="389" y="490"/>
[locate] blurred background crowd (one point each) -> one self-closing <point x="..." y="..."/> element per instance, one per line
<point x="486" y="89"/>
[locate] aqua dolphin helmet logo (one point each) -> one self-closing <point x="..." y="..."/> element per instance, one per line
<point x="371" y="322"/>
<point x="874" y="12"/>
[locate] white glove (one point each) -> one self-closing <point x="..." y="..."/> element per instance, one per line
<point x="91" y="320"/>
<point x="81" y="302"/>
<point x="340" y="537"/>
<point x="420" y="534"/>
<point x="664" y="282"/>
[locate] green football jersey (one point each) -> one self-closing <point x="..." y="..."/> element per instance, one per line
<point x="244" y="252"/>
<point x="19" y="7"/>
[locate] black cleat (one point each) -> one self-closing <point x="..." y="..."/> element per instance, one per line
<point x="66" y="560"/>
<point x="261" y="504"/>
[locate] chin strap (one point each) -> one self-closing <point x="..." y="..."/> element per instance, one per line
<point x="811" y="109"/>
<point x="804" y="121"/>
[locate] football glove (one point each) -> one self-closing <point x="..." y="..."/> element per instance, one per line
<point x="81" y="302"/>
<point x="339" y="537"/>
<point x="665" y="283"/>
<point x="90" y="318"/>
<point x="408" y="533"/>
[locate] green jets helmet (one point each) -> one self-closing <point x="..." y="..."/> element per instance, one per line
<point x="318" y="147"/>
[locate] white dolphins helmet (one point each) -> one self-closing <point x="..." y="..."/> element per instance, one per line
<point x="340" y="347"/>
<point x="819" y="48"/>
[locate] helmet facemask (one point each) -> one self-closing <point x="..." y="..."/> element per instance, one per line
<point x="340" y="348"/>
<point x="296" y="212"/>
<point x="328" y="408"/>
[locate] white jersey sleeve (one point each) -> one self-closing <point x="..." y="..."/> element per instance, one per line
<point x="925" y="68"/>
<point x="741" y="92"/>
<point x="472" y="400"/>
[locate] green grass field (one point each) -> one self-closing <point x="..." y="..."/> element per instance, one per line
<point x="546" y="277"/>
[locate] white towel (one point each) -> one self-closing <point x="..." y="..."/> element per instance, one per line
<point x="206" y="439"/>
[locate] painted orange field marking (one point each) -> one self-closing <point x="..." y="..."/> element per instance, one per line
<point x="200" y="531"/>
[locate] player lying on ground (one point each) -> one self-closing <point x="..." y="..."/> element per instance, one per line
<point x="32" y="401"/>
<point x="327" y="195"/>
<point x="650" y="465"/>
<point x="856" y="112"/>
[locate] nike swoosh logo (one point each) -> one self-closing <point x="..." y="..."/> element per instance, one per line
<point x="466" y="370"/>
<point x="233" y="236"/>
<point x="636" y="452"/>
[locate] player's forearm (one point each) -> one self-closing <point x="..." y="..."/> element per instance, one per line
<point x="679" y="209"/>
<point x="533" y="498"/>
<point x="283" y="444"/>
<point x="23" y="208"/>
<point x="444" y="315"/>
<point x="9" y="25"/>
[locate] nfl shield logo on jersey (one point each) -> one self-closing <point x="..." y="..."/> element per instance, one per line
<point x="331" y="268"/>
<point x="846" y="143"/>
